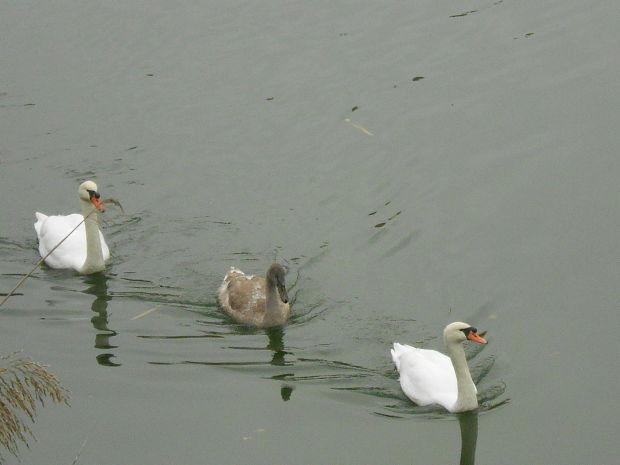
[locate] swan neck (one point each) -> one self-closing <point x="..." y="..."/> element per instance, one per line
<point x="466" y="398"/>
<point x="272" y="304"/>
<point x="94" y="254"/>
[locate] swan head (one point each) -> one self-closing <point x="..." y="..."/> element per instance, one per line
<point x="275" y="277"/>
<point x="88" y="193"/>
<point x="458" y="332"/>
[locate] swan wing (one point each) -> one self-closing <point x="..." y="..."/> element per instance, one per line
<point x="242" y="295"/>
<point x="426" y="376"/>
<point x="104" y="247"/>
<point x="53" y="229"/>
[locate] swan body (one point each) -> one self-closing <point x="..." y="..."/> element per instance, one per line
<point x="84" y="250"/>
<point x="254" y="300"/>
<point x="430" y="377"/>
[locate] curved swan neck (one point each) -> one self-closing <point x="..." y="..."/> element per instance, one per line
<point x="276" y="311"/>
<point x="272" y="303"/>
<point x="94" y="254"/>
<point x="466" y="398"/>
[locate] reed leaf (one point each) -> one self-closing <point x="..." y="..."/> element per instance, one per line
<point x="24" y="384"/>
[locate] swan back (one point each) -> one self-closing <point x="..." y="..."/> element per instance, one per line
<point x="426" y="376"/>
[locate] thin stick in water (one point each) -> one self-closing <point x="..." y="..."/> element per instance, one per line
<point x="77" y="457"/>
<point x="150" y="310"/>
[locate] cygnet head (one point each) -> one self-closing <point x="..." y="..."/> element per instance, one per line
<point x="275" y="277"/>
<point x="88" y="193"/>
<point x="458" y="332"/>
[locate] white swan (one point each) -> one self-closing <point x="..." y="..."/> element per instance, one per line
<point x="429" y="377"/>
<point x="85" y="249"/>
<point x="254" y="300"/>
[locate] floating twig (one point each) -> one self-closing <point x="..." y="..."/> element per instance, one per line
<point x="149" y="311"/>
<point x="357" y="126"/>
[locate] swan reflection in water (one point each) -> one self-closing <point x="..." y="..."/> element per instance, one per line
<point x="278" y="358"/>
<point x="99" y="288"/>
<point x="276" y="344"/>
<point x="468" y="422"/>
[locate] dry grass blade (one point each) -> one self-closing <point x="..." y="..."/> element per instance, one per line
<point x="359" y="126"/>
<point x="150" y="310"/>
<point x="77" y="457"/>
<point x="23" y="384"/>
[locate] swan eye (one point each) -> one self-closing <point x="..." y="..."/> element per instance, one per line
<point x="471" y="329"/>
<point x="94" y="194"/>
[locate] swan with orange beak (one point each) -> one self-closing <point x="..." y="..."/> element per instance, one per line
<point x="430" y="377"/>
<point x="84" y="249"/>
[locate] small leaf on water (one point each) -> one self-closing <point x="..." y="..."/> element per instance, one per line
<point x="354" y="108"/>
<point x="463" y="14"/>
<point x="379" y="225"/>
<point x="394" y="215"/>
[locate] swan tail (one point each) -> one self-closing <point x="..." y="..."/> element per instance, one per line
<point x="39" y="224"/>
<point x="233" y="273"/>
<point x="228" y="277"/>
<point x="397" y="351"/>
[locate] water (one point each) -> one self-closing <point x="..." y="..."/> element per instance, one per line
<point x="238" y="134"/>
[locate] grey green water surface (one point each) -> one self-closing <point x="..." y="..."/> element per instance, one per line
<point x="487" y="192"/>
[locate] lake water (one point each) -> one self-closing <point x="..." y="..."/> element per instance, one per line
<point x="410" y="163"/>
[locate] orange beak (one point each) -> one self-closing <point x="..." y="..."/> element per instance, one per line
<point x="474" y="337"/>
<point x="98" y="205"/>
